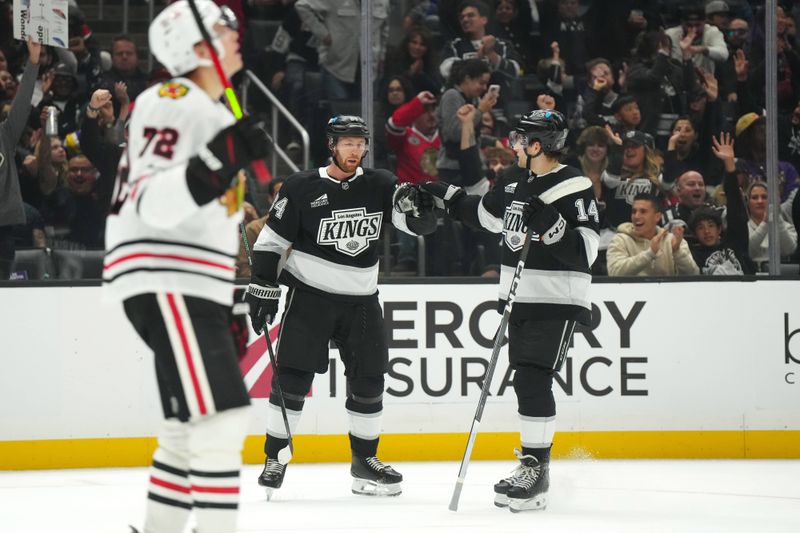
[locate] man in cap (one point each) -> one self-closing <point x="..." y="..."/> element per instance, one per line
<point x="708" y="44"/>
<point x="718" y="14"/>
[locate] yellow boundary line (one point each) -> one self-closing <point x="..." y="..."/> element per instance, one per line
<point x="122" y="452"/>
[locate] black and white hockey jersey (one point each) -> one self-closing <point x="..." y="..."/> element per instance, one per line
<point x="555" y="282"/>
<point x="158" y="238"/>
<point x="332" y="228"/>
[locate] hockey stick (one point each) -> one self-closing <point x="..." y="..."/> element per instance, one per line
<point x="498" y="341"/>
<point x="230" y="95"/>
<point x="285" y="454"/>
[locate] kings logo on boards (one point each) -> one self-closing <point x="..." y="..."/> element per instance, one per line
<point x="350" y="230"/>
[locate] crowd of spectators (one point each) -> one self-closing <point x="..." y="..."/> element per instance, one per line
<point x="664" y="99"/>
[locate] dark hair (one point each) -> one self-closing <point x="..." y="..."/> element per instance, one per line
<point x="469" y="68"/>
<point x="647" y="43"/>
<point x="402" y="59"/>
<point x="621" y="102"/>
<point x="692" y="10"/>
<point x="687" y="118"/>
<point x="408" y="88"/>
<point x="126" y="38"/>
<point x="648" y="197"/>
<point x="482" y="7"/>
<point x="273" y="183"/>
<point x="704" y="213"/>
<point x="597" y="61"/>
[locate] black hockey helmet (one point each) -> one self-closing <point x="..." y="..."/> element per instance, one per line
<point x="346" y="126"/>
<point x="549" y="127"/>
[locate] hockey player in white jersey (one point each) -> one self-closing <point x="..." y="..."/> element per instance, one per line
<point x="172" y="243"/>
<point x="552" y="295"/>
<point x="331" y="217"/>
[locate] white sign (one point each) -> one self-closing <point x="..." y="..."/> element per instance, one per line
<point x="694" y="356"/>
<point x="47" y="21"/>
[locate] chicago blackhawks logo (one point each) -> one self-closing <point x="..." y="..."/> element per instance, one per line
<point x="350" y="230"/>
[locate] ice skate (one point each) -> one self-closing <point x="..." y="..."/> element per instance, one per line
<point x="373" y="478"/>
<point x="272" y="476"/>
<point x="502" y="486"/>
<point x="528" y="491"/>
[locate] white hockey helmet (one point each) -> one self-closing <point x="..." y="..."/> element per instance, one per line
<point x="174" y="32"/>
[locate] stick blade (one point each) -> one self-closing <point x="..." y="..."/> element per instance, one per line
<point x="285" y="455"/>
<point x="456" y="496"/>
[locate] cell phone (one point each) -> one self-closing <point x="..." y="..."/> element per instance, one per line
<point x="494" y="89"/>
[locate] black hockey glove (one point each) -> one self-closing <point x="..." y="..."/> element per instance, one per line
<point x="412" y="201"/>
<point x="545" y="220"/>
<point x="210" y="172"/>
<point x="263" y="302"/>
<point x="445" y="196"/>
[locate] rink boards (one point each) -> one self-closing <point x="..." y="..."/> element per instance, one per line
<point x="674" y="369"/>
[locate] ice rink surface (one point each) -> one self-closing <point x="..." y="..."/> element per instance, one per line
<point x="761" y="496"/>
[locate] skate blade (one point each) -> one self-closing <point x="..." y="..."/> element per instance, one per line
<point x="365" y="487"/>
<point x="537" y="503"/>
<point x="270" y="492"/>
<point x="500" y="500"/>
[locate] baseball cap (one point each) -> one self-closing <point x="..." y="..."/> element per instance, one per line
<point x="62" y="69"/>
<point x="717" y="6"/>
<point x="639" y="138"/>
<point x="745" y="121"/>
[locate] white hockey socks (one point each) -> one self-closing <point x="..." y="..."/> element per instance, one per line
<point x="216" y="459"/>
<point x="169" y="499"/>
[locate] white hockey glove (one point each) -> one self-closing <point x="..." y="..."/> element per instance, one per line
<point x="263" y="302"/>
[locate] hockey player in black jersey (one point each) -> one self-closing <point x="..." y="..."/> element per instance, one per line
<point x="552" y="295"/>
<point x="331" y="217"/>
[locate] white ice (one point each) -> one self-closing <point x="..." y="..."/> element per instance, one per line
<point x="761" y="496"/>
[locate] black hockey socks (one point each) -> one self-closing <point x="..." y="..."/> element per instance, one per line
<point x="542" y="454"/>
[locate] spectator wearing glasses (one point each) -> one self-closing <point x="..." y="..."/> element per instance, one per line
<point x="733" y="75"/>
<point x="707" y="42"/>
<point x="73" y="209"/>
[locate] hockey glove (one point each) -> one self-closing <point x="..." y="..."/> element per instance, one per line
<point x="445" y="196"/>
<point x="210" y="172"/>
<point x="263" y="302"/>
<point x="410" y="200"/>
<point x="545" y="220"/>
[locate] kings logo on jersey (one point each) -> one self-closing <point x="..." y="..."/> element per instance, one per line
<point x="513" y="229"/>
<point x="350" y="230"/>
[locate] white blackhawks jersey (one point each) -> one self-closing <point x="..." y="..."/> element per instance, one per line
<point x="157" y="238"/>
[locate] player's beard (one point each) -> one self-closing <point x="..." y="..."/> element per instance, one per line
<point x="348" y="164"/>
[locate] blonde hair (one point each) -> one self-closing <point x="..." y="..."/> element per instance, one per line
<point x="652" y="167"/>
